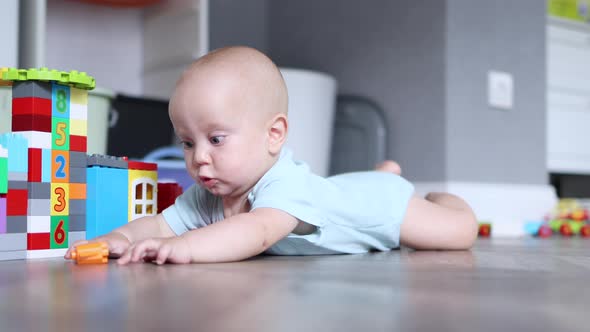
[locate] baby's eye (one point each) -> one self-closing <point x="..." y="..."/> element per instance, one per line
<point x="216" y="139"/>
<point x="186" y="145"/>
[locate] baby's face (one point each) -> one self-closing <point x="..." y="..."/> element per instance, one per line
<point x="224" y="139"/>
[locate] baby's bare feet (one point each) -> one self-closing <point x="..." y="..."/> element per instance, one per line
<point x="389" y="166"/>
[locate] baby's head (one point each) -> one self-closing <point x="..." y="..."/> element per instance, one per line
<point x="229" y="109"/>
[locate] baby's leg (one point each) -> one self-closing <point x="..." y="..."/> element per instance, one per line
<point x="437" y="222"/>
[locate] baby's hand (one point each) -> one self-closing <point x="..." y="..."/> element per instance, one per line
<point x="117" y="243"/>
<point x="158" y="250"/>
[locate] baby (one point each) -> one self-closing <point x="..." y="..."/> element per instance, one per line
<point x="229" y="110"/>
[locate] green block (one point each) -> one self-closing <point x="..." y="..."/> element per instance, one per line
<point x="60" y="227"/>
<point x="576" y="226"/>
<point x="74" y="78"/>
<point x="555" y="224"/>
<point x="3" y="175"/>
<point x="60" y="134"/>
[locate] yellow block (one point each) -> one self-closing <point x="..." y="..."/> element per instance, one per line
<point x="60" y="199"/>
<point x="78" y="96"/>
<point x="78" y="127"/>
<point x="143" y="196"/>
<point x="2" y="82"/>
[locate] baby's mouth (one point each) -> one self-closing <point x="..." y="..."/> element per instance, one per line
<point x="207" y="182"/>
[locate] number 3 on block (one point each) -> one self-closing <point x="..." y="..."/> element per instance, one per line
<point x="60" y="201"/>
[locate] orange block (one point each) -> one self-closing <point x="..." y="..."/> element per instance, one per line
<point x="60" y="166"/>
<point x="77" y="190"/>
<point x="91" y="253"/>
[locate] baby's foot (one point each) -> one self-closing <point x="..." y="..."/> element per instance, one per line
<point x="389" y="166"/>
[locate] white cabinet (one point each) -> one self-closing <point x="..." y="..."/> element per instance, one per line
<point x="136" y="51"/>
<point x="568" y="98"/>
<point x="174" y="35"/>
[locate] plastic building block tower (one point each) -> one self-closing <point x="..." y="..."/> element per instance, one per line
<point x="46" y="198"/>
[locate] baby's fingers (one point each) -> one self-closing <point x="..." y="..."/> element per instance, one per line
<point x="138" y="251"/>
<point x="68" y="254"/>
<point x="163" y="254"/>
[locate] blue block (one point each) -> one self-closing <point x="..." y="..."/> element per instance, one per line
<point x="60" y="101"/>
<point x="46" y="165"/>
<point x="18" y="152"/>
<point x="106" y="200"/>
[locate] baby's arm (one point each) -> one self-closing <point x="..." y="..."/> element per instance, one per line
<point x="121" y="238"/>
<point x="233" y="239"/>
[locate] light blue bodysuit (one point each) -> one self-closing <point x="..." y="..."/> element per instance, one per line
<point x="353" y="212"/>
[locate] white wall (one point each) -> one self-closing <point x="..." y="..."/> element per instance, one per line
<point x="103" y="41"/>
<point x="9" y="33"/>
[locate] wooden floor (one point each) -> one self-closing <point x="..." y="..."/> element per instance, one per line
<point x="501" y="285"/>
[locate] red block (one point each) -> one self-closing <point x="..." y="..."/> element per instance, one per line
<point x="35" y="165"/>
<point x="31" y="106"/>
<point x="78" y="143"/>
<point x="31" y="122"/>
<point x="16" y="202"/>
<point x="143" y="166"/>
<point x="167" y="193"/>
<point x="38" y="241"/>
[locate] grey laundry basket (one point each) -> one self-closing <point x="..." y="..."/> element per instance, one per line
<point x="360" y="135"/>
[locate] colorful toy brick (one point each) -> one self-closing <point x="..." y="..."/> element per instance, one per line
<point x="31" y="106"/>
<point x="39" y="224"/>
<point x="106" y="200"/>
<point x="91" y="253"/>
<point x="31" y="123"/>
<point x="73" y="78"/>
<point x="78" y="143"/>
<point x="142" y="195"/>
<point x="16" y="224"/>
<point x="2" y="214"/>
<point x="17" y="146"/>
<point x="16" y="202"/>
<point x="106" y="161"/>
<point x="39" y="190"/>
<point x="167" y="194"/>
<point x="37" y="139"/>
<point x="60" y="166"/>
<point x="75" y="235"/>
<point x="13" y="246"/>
<point x="3" y="170"/>
<point x="35" y="173"/>
<point x="31" y="89"/>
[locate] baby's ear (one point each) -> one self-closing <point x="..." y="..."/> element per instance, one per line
<point x="277" y="133"/>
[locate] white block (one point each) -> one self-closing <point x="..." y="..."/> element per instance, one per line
<point x="3" y="152"/>
<point x="78" y="112"/>
<point x="37" y="139"/>
<point x="38" y="224"/>
<point x="48" y="253"/>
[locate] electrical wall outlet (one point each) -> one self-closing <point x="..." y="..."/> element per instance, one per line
<point x="500" y="90"/>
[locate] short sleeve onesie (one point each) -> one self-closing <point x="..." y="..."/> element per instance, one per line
<point x="353" y="212"/>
